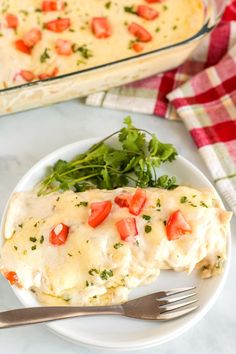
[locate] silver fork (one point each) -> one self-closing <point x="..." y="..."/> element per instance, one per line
<point x="162" y="306"/>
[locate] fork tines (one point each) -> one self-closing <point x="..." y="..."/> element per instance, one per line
<point x="181" y="302"/>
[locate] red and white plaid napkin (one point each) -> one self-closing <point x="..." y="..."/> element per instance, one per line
<point x="202" y="93"/>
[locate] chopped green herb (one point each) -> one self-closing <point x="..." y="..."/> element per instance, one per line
<point x="24" y="12"/>
<point x="41" y="239"/>
<point x="36" y="224"/>
<point x="194" y="196"/>
<point x="33" y="247"/>
<point x="118" y="245"/>
<point x="20" y="225"/>
<point x="69" y="254"/>
<point x="203" y="204"/>
<point x="192" y="205"/>
<point x="105" y="274"/>
<point x="67" y="300"/>
<point x="146" y="217"/>
<point x="95" y="296"/>
<point x="86" y="283"/>
<point x="71" y="30"/>
<point x="87" y="241"/>
<point x="157" y="29"/>
<point x="38" y="10"/>
<point x="16" y="248"/>
<point x="84" y="51"/>
<point x="82" y="204"/>
<point x="58" y="198"/>
<point x="165" y="8"/>
<point x="130" y="9"/>
<point x="183" y="199"/>
<point x="158" y="204"/>
<point x="174" y="27"/>
<point x="147" y="229"/>
<point x="108" y="5"/>
<point x="165" y="222"/>
<point x="24" y="252"/>
<point x="33" y="239"/>
<point x="44" y="56"/>
<point x="93" y="271"/>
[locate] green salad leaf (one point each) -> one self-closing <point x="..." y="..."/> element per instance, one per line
<point x="134" y="162"/>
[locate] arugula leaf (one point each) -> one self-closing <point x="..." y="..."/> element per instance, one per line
<point x="102" y="166"/>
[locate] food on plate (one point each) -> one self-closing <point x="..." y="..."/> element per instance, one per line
<point x="50" y="38"/>
<point x="94" y="247"/>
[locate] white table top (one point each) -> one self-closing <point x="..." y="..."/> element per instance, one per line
<point x="24" y="139"/>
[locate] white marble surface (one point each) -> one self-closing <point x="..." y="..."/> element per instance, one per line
<point x="24" y="139"/>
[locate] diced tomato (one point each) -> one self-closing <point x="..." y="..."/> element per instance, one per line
<point x="101" y="27"/>
<point x="137" y="202"/>
<point x="139" y="32"/>
<point x="147" y="12"/>
<point x="48" y="6"/>
<point x="153" y="1"/>
<point x="177" y="226"/>
<point x="27" y="75"/>
<point x="12" y="277"/>
<point x="63" y="47"/>
<point x="58" y="25"/>
<point x="12" y="21"/>
<point x="44" y="76"/>
<point x="32" y="37"/>
<point x="20" y="45"/>
<point x="123" y="200"/>
<point x="137" y="47"/>
<point x="59" y="234"/>
<point x="99" y="212"/>
<point x="127" y="229"/>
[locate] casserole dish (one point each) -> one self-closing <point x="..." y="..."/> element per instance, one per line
<point x="101" y="77"/>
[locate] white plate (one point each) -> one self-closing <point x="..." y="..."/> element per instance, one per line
<point x="113" y="332"/>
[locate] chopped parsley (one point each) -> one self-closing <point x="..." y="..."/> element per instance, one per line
<point x="183" y="199"/>
<point x="146" y="217"/>
<point x="33" y="239"/>
<point x="157" y="29"/>
<point x="58" y="198"/>
<point x="192" y="205"/>
<point x="106" y="274"/>
<point x="203" y="204"/>
<point x="44" y="56"/>
<point x="158" y="204"/>
<point x="165" y="8"/>
<point x="20" y="225"/>
<point x="118" y="245"/>
<point x="82" y="204"/>
<point x="24" y="12"/>
<point x="69" y="254"/>
<point x="25" y="252"/>
<point x="16" y="248"/>
<point x="41" y="239"/>
<point x="33" y="247"/>
<point x="147" y="229"/>
<point x="130" y="10"/>
<point x="86" y="283"/>
<point x="93" y="271"/>
<point x="108" y="5"/>
<point x="84" y="51"/>
<point x="174" y="27"/>
<point x="36" y="224"/>
<point x="164" y="222"/>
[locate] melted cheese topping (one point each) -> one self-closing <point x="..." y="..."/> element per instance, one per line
<point x="177" y="21"/>
<point x="94" y="266"/>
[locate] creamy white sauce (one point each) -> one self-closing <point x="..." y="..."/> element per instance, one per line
<point x="59" y="273"/>
<point x="177" y="21"/>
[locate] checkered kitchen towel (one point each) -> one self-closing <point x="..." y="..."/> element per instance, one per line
<point x="202" y="93"/>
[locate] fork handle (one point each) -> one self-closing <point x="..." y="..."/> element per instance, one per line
<point x="32" y="315"/>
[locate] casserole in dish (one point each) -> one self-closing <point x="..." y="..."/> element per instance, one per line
<point x="135" y="46"/>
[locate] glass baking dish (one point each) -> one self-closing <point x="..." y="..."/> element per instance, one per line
<point x="102" y="77"/>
